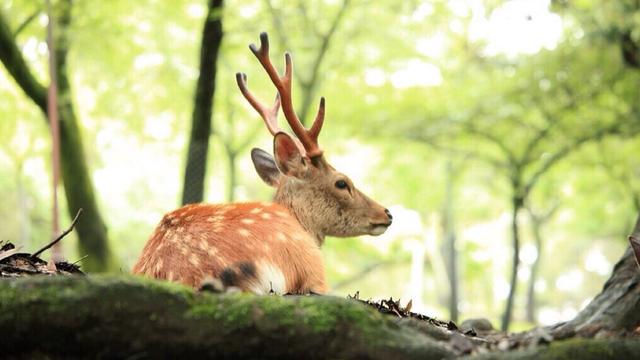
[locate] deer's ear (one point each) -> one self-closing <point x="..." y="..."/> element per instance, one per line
<point x="265" y="167"/>
<point x="287" y="155"/>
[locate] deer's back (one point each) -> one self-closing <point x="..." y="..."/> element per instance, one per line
<point x="258" y="247"/>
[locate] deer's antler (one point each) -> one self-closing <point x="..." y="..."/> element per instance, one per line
<point x="308" y="138"/>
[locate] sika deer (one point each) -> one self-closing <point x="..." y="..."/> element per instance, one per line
<point x="264" y="247"/>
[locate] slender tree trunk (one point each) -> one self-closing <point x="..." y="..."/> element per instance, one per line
<point x="450" y="242"/>
<point x="91" y="230"/>
<point x="517" y="203"/>
<point x="77" y="181"/>
<point x="231" y="176"/>
<point x="23" y="211"/>
<point x="531" y="295"/>
<point x="193" y="189"/>
<point x="57" y="254"/>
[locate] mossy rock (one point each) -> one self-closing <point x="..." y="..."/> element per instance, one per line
<point x="128" y="317"/>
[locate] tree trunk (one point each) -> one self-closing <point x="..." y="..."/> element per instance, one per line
<point x="518" y="203"/>
<point x="193" y="189"/>
<point x="123" y="317"/>
<point x="617" y="307"/>
<point x="451" y="258"/>
<point x="78" y="186"/>
<point x="531" y="290"/>
<point x="91" y="230"/>
<point x="232" y="176"/>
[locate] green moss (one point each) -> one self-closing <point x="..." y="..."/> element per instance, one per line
<point x="123" y="315"/>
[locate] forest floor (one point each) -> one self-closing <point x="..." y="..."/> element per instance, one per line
<point x="103" y="316"/>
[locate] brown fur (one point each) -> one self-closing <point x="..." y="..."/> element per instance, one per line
<point x="200" y="241"/>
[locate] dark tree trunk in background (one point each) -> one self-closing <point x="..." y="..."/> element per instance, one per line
<point x="78" y="186"/>
<point x="517" y="203"/>
<point x="617" y="307"/>
<point x="193" y="190"/>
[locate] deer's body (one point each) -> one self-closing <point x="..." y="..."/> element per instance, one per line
<point x="264" y="247"/>
<point x="248" y="245"/>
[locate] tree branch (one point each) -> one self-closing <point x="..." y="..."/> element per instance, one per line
<point x="16" y="65"/>
<point x="26" y="23"/>
<point x="566" y="150"/>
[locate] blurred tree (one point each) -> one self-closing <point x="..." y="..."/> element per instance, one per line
<point x="234" y="137"/>
<point x="78" y="186"/>
<point x="309" y="79"/>
<point x="619" y="159"/>
<point x="522" y="135"/>
<point x="452" y="170"/>
<point x="538" y="218"/>
<point x="193" y="190"/>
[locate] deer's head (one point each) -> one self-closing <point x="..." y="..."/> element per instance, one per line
<point x="325" y="201"/>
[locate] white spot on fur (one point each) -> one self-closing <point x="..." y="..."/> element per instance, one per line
<point x="280" y="236"/>
<point x="247" y="221"/>
<point x="256" y="210"/>
<point x="204" y="245"/>
<point x="193" y="259"/>
<point x="266" y="216"/>
<point x="269" y="278"/>
<point x="244" y="232"/>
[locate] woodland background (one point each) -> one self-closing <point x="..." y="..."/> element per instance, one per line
<point x="487" y="127"/>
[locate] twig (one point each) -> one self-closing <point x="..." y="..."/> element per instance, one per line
<point x="55" y="241"/>
<point x="82" y="258"/>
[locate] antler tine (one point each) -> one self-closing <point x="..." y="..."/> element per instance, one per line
<point x="270" y="116"/>
<point x="317" y="123"/>
<point x="308" y="138"/>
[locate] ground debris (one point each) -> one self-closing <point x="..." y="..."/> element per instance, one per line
<point x="474" y="336"/>
<point x="393" y="307"/>
<point x="16" y="264"/>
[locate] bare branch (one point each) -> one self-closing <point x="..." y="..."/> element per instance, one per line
<point x="61" y="236"/>
<point x="26" y="23"/>
<point x="566" y="150"/>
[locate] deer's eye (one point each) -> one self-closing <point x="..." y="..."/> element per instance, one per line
<point x="341" y="184"/>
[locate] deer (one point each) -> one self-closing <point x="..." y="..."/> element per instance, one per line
<point x="273" y="247"/>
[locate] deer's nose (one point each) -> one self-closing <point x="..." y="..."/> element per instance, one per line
<point x="386" y="211"/>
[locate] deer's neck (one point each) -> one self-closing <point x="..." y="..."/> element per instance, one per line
<point x="306" y="219"/>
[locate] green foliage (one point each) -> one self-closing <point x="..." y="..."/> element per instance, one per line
<point x="563" y="118"/>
